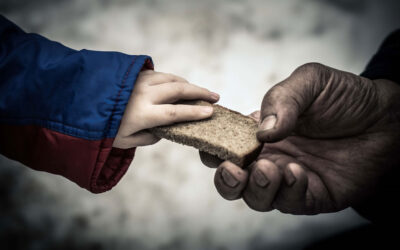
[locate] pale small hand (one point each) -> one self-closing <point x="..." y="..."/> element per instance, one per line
<point x="152" y="104"/>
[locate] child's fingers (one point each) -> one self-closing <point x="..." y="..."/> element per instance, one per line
<point x="171" y="113"/>
<point x="173" y="91"/>
<point x="141" y="138"/>
<point x="154" y="78"/>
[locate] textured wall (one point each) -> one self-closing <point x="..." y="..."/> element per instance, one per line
<point x="167" y="199"/>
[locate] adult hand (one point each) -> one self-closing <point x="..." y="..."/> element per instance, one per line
<point x="331" y="137"/>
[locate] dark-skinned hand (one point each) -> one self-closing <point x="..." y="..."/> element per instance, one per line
<point x="330" y="139"/>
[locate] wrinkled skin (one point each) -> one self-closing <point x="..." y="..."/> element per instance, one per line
<point x="335" y="140"/>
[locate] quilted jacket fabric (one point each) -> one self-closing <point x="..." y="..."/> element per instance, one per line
<point x="60" y="108"/>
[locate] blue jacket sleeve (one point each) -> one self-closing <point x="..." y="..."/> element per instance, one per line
<point x="59" y="106"/>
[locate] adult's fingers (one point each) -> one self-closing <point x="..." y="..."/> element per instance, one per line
<point x="285" y="102"/>
<point x="230" y="180"/>
<point x="255" y="115"/>
<point x="209" y="160"/>
<point x="292" y="197"/>
<point x="171" y="92"/>
<point x="263" y="185"/>
<point x="172" y="113"/>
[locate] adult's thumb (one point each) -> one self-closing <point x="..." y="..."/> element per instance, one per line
<point x="285" y="102"/>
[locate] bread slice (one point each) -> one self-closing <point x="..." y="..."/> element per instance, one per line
<point x="228" y="135"/>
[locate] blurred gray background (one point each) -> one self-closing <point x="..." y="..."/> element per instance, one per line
<point x="167" y="199"/>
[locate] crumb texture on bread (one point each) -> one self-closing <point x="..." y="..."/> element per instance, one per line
<point x="227" y="134"/>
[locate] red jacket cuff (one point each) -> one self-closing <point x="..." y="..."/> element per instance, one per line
<point x="92" y="164"/>
<point x="110" y="166"/>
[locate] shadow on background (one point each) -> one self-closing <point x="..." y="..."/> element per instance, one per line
<point x="363" y="237"/>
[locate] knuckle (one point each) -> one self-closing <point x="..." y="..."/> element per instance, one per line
<point x="310" y="66"/>
<point x="170" y="77"/>
<point x="171" y="112"/>
<point x="142" y="82"/>
<point x="276" y="93"/>
<point x="312" y="69"/>
<point x="265" y="166"/>
<point x="179" y="88"/>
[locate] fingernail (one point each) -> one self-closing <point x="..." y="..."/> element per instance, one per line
<point x="206" y="110"/>
<point x="260" y="178"/>
<point x="268" y="122"/>
<point x="289" y="177"/>
<point x="229" y="179"/>
<point x="214" y="96"/>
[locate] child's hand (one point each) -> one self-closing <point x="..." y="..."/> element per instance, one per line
<point x="150" y="106"/>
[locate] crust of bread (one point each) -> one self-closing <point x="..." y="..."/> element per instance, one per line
<point x="228" y="134"/>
